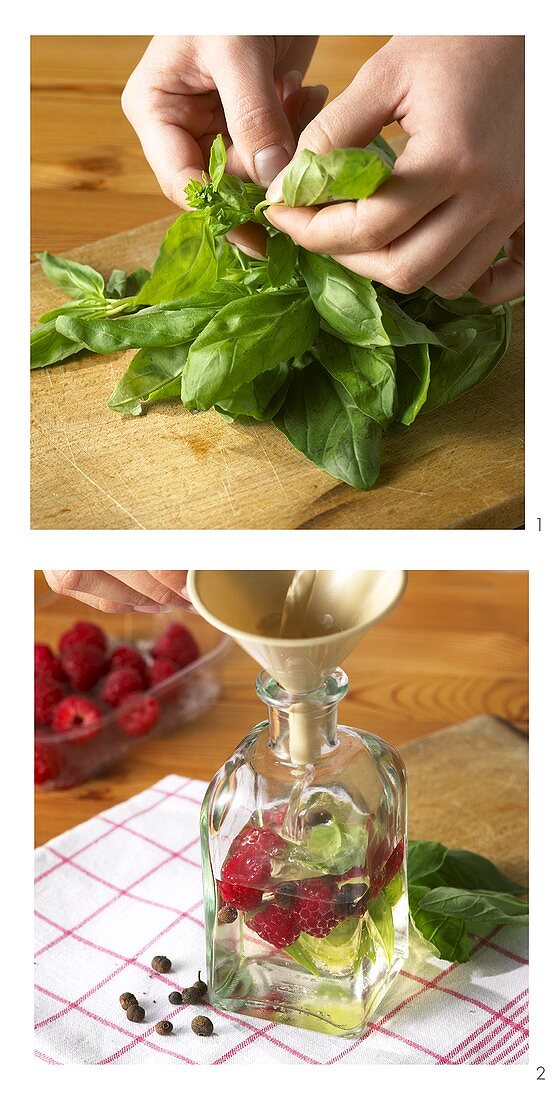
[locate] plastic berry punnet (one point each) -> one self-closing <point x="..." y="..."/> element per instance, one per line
<point x="304" y="827"/>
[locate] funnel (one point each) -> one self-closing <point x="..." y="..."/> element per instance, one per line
<point x="339" y="607"/>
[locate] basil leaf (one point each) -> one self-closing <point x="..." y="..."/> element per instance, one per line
<point x="218" y="160"/>
<point x="481" y="909"/>
<point x="470" y="871"/>
<point x="447" y="935"/>
<point x="121" y="285"/>
<point x="320" y="420"/>
<point x="245" y="339"/>
<point x="380" y="912"/>
<point x="154" y="374"/>
<point x="298" y="953"/>
<point x="260" y="399"/>
<point x="81" y="307"/>
<point x="186" y="262"/>
<point x="150" y="328"/>
<point x="347" y="302"/>
<point x="316" y="178"/>
<point x="282" y="258"/>
<point x="49" y="346"/>
<point x="413" y="374"/>
<point x="76" y="280"/>
<point x="366" y="373"/>
<point x="425" y="857"/>
<point x="473" y="347"/>
<point x="401" y="329"/>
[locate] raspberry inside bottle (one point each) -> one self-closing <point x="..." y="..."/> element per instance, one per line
<point x="304" y="844"/>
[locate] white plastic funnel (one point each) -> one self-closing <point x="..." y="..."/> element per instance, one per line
<point x="248" y="605"/>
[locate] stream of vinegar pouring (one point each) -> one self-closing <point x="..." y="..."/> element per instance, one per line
<point x="297" y="599"/>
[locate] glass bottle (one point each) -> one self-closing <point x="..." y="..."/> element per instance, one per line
<point x="304" y="862"/>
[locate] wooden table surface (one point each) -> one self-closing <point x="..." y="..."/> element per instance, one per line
<point x="89" y="176"/>
<point x="455" y="647"/>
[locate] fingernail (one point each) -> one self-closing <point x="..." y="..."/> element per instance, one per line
<point x="153" y="608"/>
<point x="269" y="161"/>
<point x="269" y="213"/>
<point x="314" y="103"/>
<point x="292" y="82"/>
<point x="274" y="192"/>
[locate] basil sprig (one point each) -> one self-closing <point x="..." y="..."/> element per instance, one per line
<point x="330" y="358"/>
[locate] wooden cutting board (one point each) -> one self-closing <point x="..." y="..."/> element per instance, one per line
<point x="459" y="467"/>
<point x="468" y="788"/>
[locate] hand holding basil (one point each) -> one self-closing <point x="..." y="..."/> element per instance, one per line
<point x="331" y="359"/>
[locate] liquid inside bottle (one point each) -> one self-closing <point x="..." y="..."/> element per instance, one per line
<point x="304" y="869"/>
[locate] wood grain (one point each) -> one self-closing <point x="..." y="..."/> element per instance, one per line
<point x="456" y="647"/>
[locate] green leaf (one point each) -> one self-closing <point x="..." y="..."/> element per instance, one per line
<point x="324" y="842"/>
<point x="186" y="263"/>
<point x="245" y="339"/>
<point x="473" y="347"/>
<point x="425" y="857"/>
<point x="154" y="374"/>
<point x="447" y="935"/>
<point x="366" y="373"/>
<point x="298" y="953"/>
<point x="76" y="280"/>
<point x="260" y="399"/>
<point x="413" y="374"/>
<point x="482" y="910"/>
<point x="470" y="871"/>
<point x="380" y="912"/>
<point x="121" y="285"/>
<point x="395" y="888"/>
<point x="320" y="420"/>
<point x="316" y="178"/>
<point x="347" y="302"/>
<point x="150" y="328"/>
<point x="49" y="346"/>
<point x="399" y="327"/>
<point x="218" y="160"/>
<point x="282" y="258"/>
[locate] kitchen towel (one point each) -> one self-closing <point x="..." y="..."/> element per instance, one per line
<point x="126" y="885"/>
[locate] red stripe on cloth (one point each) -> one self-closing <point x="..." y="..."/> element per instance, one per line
<point x="154" y="843"/>
<point x="137" y="813"/>
<point x="506" y="1018"/>
<point x="502" y="950"/>
<point x="46" y="1058"/>
<point x="502" y="1053"/>
<point x="109" y="1023"/>
<point x="519" y="1054"/>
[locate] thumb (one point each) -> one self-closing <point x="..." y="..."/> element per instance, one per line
<point x="358" y="114"/>
<point x="256" y="120"/>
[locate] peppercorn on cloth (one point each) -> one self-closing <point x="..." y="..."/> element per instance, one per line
<point x="126" y="885"/>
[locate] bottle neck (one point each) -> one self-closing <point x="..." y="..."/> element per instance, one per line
<point x="302" y="728"/>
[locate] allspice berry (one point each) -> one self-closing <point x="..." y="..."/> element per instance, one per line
<point x="164" y="1027"/>
<point x="227" y="915"/>
<point x="175" y="997"/>
<point x="127" y="999"/>
<point x="202" y="1025"/>
<point x="191" y="995"/>
<point x="161" y="964"/>
<point x="135" y="1013"/>
<point x="200" y="986"/>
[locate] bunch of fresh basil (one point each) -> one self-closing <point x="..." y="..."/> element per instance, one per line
<point x="329" y="357"/>
<point x="454" y="894"/>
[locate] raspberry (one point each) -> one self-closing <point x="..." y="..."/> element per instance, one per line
<point x="161" y="669"/>
<point x="79" y="714"/>
<point x="248" y="866"/>
<point x="83" y="664"/>
<point x="47" y="763"/>
<point x="276" y="925"/>
<point x="83" y="633"/>
<point x="120" y="683"/>
<point x="394" y="862"/>
<point x="177" y="643"/>
<point x="275" y="815"/>
<point x="47" y="694"/>
<point x="46" y="664"/>
<point x="139" y="714"/>
<point x="314" y="906"/>
<point x="128" y="657"/>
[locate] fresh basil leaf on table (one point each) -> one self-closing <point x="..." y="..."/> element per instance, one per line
<point x="76" y="280"/>
<point x="368" y="375"/>
<point x="154" y="374"/>
<point x="347" y="302"/>
<point x="261" y="398"/>
<point x="413" y="375"/>
<point x="121" y="285"/>
<point x="49" y="346"/>
<point x="245" y="339"/>
<point x="320" y="420"/>
<point x="186" y="262"/>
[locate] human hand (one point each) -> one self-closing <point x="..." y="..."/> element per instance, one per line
<point x="187" y="89"/>
<point x="123" y="590"/>
<point x="456" y="196"/>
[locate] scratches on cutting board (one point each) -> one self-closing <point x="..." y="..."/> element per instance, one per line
<point x="117" y="504"/>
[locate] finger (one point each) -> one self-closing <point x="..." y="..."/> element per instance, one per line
<point x="99" y="589"/>
<point x="255" y="118"/>
<point x="415" y="258"/>
<point x="504" y="281"/>
<point x="251" y="239"/>
<point x="299" y="54"/>
<point x="359" y="113"/>
<point x="150" y="586"/>
<point x="472" y="262"/>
